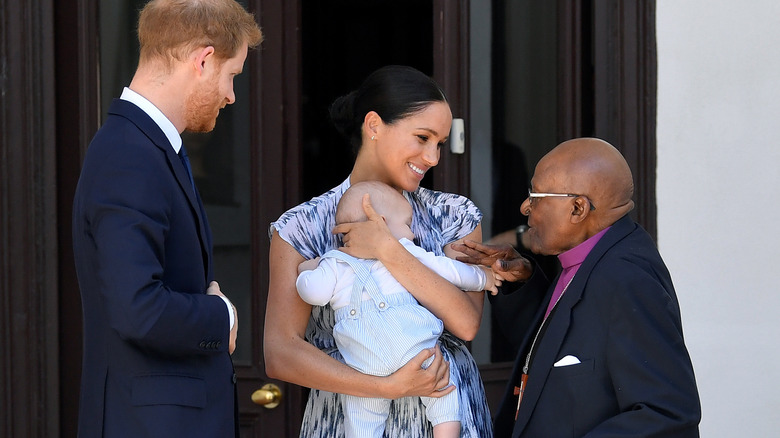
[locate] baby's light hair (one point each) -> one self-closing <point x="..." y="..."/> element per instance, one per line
<point x="350" y="208"/>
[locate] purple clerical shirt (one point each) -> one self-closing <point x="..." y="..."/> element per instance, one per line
<point x="570" y="262"/>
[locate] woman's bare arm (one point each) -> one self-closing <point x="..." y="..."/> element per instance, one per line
<point x="289" y="357"/>
<point x="460" y="311"/>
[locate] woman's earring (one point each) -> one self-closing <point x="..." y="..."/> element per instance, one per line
<point x="373" y="137"/>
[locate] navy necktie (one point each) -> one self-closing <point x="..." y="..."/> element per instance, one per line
<point x="186" y="161"/>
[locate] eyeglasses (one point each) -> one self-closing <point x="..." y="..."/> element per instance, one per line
<point x="532" y="195"/>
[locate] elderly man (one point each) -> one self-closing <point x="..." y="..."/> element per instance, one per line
<point x="606" y="355"/>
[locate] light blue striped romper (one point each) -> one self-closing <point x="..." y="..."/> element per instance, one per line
<point x="439" y="218"/>
<point x="378" y="336"/>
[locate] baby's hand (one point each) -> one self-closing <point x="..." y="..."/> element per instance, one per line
<point x="308" y="265"/>
<point x="493" y="280"/>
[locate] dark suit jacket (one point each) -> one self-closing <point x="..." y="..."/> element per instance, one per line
<point x="620" y="318"/>
<point x="156" y="359"/>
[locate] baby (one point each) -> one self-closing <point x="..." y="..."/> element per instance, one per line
<point x="379" y="324"/>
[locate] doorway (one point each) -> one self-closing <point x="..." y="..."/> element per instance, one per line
<point x="314" y="52"/>
<point x="342" y="42"/>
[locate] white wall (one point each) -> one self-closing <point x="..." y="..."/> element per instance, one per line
<point x="718" y="192"/>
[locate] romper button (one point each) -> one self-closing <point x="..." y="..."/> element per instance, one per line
<point x="381" y="305"/>
<point x="352" y="312"/>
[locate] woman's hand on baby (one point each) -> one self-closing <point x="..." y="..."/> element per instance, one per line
<point x="369" y="239"/>
<point x="414" y="380"/>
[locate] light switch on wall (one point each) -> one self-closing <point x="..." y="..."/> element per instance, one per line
<point x="457" y="137"/>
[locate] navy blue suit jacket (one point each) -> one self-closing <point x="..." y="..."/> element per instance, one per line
<point x="620" y="318"/>
<point x="156" y="361"/>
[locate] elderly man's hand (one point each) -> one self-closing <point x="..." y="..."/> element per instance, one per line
<point x="506" y="262"/>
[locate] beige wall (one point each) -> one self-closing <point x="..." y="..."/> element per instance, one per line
<point x="718" y="193"/>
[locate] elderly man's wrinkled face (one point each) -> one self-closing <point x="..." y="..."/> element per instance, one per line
<point x="549" y="219"/>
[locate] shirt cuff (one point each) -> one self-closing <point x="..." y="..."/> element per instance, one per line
<point x="230" y="311"/>
<point x="482" y="278"/>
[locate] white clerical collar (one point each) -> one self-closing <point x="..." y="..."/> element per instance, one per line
<point x="152" y="111"/>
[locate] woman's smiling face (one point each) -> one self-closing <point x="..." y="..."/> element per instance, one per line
<point x="406" y="149"/>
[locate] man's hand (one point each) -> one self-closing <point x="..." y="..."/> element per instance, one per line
<point x="505" y="261"/>
<point x="214" y="290"/>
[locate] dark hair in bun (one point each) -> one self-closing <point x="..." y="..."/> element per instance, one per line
<point x="393" y="91"/>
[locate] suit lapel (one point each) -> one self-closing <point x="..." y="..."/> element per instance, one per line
<point x="551" y="338"/>
<point x="547" y="347"/>
<point x="145" y="123"/>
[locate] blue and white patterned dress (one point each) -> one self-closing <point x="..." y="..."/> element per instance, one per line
<point x="439" y="218"/>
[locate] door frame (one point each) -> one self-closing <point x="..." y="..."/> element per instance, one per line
<point x="77" y="118"/>
<point x="608" y="85"/>
<point x="30" y="380"/>
<point x="275" y="178"/>
<point x="451" y="70"/>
